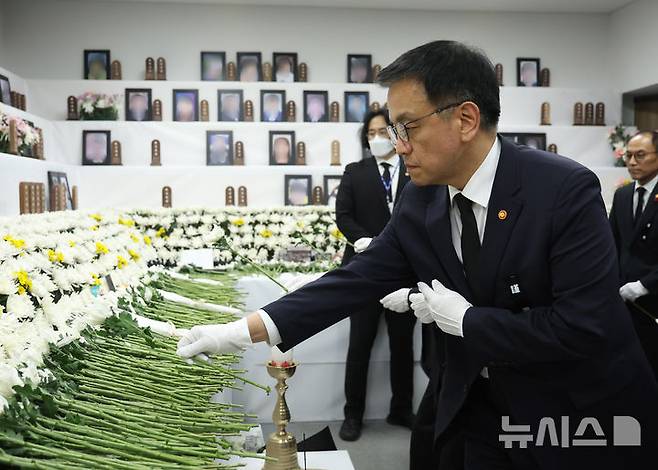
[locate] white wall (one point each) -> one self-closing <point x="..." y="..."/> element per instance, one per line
<point x="572" y="46"/>
<point x="2" y="35"/>
<point x="632" y="41"/>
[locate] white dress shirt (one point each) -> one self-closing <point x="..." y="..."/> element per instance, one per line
<point x="478" y="189"/>
<point x="650" y="186"/>
<point x="394" y="169"/>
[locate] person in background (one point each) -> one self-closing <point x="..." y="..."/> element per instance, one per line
<point x="366" y="196"/>
<point x="634" y="221"/>
<point x="284" y="71"/>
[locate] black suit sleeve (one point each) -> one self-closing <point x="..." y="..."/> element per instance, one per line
<point x="650" y="281"/>
<point x="585" y="282"/>
<point x="345" y="209"/>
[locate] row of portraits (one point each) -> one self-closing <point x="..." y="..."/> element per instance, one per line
<point x="230" y="105"/>
<point x="249" y="66"/>
<point x="298" y="189"/>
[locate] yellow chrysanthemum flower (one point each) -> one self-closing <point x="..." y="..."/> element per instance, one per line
<point x="134" y="255"/>
<point x="101" y="249"/>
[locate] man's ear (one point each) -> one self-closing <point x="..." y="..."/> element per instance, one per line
<point x="469" y="115"/>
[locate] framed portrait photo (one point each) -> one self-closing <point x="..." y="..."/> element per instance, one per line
<point x="97" y="64"/>
<point x="5" y="90"/>
<point x="527" y="72"/>
<point x="138" y="104"/>
<point x="534" y="140"/>
<point x="230" y="105"/>
<point x="331" y="185"/>
<point x="357" y="104"/>
<point x="219" y="148"/>
<point x="57" y="177"/>
<point x="249" y="67"/>
<point x="316" y="104"/>
<point x="285" y="66"/>
<point x="96" y="147"/>
<point x="186" y="105"/>
<point x="297" y="190"/>
<point x="213" y="66"/>
<point x="282" y="148"/>
<point x="359" y="68"/>
<point x="272" y="103"/>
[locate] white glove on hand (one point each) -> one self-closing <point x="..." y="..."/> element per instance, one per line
<point x="397" y="301"/>
<point x="420" y="308"/>
<point x="361" y="244"/>
<point x="631" y="291"/>
<point x="447" y="307"/>
<point x="230" y="338"/>
<point x="301" y="280"/>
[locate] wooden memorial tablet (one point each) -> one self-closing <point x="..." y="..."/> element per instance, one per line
<point x="239" y="154"/>
<point x="231" y="72"/>
<point x="335" y="153"/>
<point x="291" y="111"/>
<point x="578" y="114"/>
<point x="267" y="72"/>
<point x="589" y="114"/>
<point x="499" y="74"/>
<point x="545" y="77"/>
<point x="22" y="102"/>
<point x="300" y="159"/>
<point x="149" y="73"/>
<point x="242" y="196"/>
<point x="317" y="198"/>
<point x="72" y="108"/>
<point x="38" y="147"/>
<point x="14" y="100"/>
<point x="334" y="112"/>
<point x="545" y="114"/>
<point x="376" y="70"/>
<point x="375" y="106"/>
<point x="303" y="72"/>
<point x="599" y="118"/>
<point x="229" y="196"/>
<point x="74" y="197"/>
<point x="23" y="197"/>
<point x="166" y="197"/>
<point x="205" y="112"/>
<point x="156" y="158"/>
<point x="13" y="138"/>
<point x="157" y="110"/>
<point x="115" y="70"/>
<point x="552" y="148"/>
<point x="161" y="69"/>
<point x="115" y="158"/>
<point x="249" y="111"/>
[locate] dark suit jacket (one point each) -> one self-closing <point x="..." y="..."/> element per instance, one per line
<point x="361" y="207"/>
<point x="637" y="247"/>
<point x="564" y="345"/>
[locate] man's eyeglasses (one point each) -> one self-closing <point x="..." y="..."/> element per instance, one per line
<point x="399" y="130"/>
<point x="640" y="155"/>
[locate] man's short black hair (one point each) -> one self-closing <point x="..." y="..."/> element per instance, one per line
<point x="370" y="115"/>
<point x="450" y="71"/>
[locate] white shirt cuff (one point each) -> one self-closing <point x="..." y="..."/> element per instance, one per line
<point x="272" y="330"/>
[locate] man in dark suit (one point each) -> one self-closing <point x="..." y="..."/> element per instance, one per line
<point x="518" y="267"/>
<point x="366" y="196"/>
<point x="634" y="221"/>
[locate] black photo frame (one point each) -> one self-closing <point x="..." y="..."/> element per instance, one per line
<point x="269" y="110"/>
<point x="246" y="62"/>
<point x="280" y="62"/>
<point x="534" y="140"/>
<point x="526" y="69"/>
<point x="96" y="64"/>
<point x="136" y="99"/>
<point x="359" y="68"/>
<point x="226" y="110"/>
<point x="276" y="150"/>
<point x="213" y="66"/>
<point x="330" y="186"/>
<point x="96" y="148"/>
<point x="316" y="106"/>
<point x="180" y="98"/>
<point x="219" y="148"/>
<point x="5" y="90"/>
<point x="352" y="113"/>
<point x="297" y="190"/>
<point x="58" y="177"/>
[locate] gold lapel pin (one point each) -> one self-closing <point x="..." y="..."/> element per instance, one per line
<point x="502" y="214"/>
<point x="656" y="198"/>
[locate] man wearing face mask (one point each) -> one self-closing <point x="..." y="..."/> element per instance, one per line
<point x="366" y="196"/>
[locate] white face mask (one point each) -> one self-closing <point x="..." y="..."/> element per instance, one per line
<point x="380" y="146"/>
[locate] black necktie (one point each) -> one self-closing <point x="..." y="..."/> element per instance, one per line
<point x="470" y="237"/>
<point x="386" y="178"/>
<point x="640" y="204"/>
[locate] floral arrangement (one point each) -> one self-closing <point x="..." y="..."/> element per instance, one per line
<point x="98" y="107"/>
<point x="27" y="134"/>
<point x="618" y="138"/>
